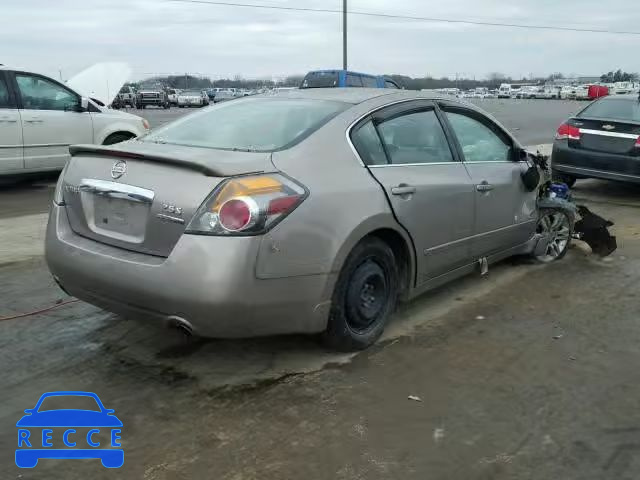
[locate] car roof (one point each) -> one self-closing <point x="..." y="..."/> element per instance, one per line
<point x="353" y="95"/>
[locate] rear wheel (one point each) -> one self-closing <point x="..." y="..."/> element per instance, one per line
<point x="556" y="225"/>
<point x="364" y="298"/>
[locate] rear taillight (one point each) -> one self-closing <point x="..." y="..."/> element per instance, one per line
<point x="638" y="143"/>
<point x="247" y="205"/>
<point x="566" y="131"/>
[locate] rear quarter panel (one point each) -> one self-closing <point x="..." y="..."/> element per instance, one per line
<point x="344" y="205"/>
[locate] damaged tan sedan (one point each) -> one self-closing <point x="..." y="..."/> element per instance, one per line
<point x="310" y="211"/>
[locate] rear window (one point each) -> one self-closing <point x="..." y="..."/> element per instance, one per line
<point x="320" y="80"/>
<point x="618" y="109"/>
<point x="256" y="125"/>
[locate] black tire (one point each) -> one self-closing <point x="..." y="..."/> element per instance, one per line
<point x="564" y="178"/>
<point x="180" y="106"/>
<point x="117" y="138"/>
<point x="364" y="298"/>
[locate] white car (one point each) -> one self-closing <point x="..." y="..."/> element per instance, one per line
<point x="192" y="98"/>
<point x="173" y="94"/>
<point x="40" y="118"/>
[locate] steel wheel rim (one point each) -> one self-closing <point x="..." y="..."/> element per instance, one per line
<point x="367" y="296"/>
<point x="556" y="226"/>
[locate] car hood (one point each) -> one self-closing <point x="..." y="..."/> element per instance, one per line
<point x="69" y="418"/>
<point x="101" y="81"/>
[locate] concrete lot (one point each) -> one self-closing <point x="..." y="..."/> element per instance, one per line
<point x="501" y="397"/>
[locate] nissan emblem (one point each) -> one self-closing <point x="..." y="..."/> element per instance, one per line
<point x="119" y="169"/>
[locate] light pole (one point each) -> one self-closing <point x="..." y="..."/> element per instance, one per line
<point x="344" y="34"/>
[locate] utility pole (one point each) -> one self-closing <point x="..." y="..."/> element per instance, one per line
<point x="185" y="81"/>
<point x="344" y="34"/>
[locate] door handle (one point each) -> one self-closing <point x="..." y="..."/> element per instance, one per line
<point x="403" y="190"/>
<point x="484" y="187"/>
<point x="35" y="120"/>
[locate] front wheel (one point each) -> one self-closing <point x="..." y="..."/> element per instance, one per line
<point x="556" y="225"/>
<point x="364" y="298"/>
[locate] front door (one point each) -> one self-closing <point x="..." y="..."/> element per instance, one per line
<point x="51" y="121"/>
<point x="505" y="211"/>
<point x="10" y="131"/>
<point x="431" y="194"/>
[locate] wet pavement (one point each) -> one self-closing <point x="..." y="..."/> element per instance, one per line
<point x="530" y="373"/>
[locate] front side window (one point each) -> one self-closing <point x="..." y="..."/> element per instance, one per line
<point x="4" y="94"/>
<point x="253" y="124"/>
<point x="40" y="94"/>
<point x="416" y="137"/>
<point x="479" y="143"/>
<point x="367" y="142"/>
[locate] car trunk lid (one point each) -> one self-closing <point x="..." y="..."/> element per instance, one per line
<point x="141" y="196"/>
<point x="605" y="135"/>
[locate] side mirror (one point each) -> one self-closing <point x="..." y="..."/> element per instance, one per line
<point x="29" y="410"/>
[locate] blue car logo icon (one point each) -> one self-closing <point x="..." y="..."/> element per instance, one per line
<point x="71" y="428"/>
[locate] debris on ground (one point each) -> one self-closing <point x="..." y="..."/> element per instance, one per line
<point x="414" y="398"/>
<point x="558" y="337"/>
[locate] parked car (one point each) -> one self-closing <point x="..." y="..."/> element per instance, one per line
<point x="582" y="92"/>
<point x="344" y="78"/>
<point x="601" y="141"/>
<point x="193" y="98"/>
<point x="172" y="94"/>
<point x="127" y="97"/>
<point x="350" y="200"/>
<point x="40" y="118"/>
<point x="152" y="95"/>
<point x="222" y="95"/>
<point x="568" y="93"/>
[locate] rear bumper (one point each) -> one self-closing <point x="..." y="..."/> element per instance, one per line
<point x="589" y="164"/>
<point x="209" y="282"/>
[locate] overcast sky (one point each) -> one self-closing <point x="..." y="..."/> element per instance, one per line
<point x="164" y="37"/>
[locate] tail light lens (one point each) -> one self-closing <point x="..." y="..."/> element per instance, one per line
<point x="58" y="197"/>
<point x="638" y="143"/>
<point x="247" y="205"/>
<point x="566" y="131"/>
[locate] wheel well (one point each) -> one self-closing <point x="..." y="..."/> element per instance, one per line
<point x="122" y="133"/>
<point x="402" y="254"/>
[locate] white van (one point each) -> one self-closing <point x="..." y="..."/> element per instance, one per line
<point x="505" y="91"/>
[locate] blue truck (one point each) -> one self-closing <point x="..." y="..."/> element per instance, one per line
<point x="345" y="78"/>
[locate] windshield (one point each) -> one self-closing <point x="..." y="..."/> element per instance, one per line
<point x="66" y="402"/>
<point x="320" y="80"/>
<point x="260" y="124"/>
<point x="624" y="109"/>
<point x="191" y="93"/>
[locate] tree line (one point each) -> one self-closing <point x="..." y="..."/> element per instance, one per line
<point x="492" y="81"/>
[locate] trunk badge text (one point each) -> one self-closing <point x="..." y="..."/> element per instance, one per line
<point x="119" y="169"/>
<point x="608" y="127"/>
<point x="176" y="213"/>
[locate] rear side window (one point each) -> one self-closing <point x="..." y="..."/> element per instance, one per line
<point x="4" y="93"/>
<point x="415" y="137"/>
<point x="368" y="144"/>
<point x="369" y="82"/>
<point x="614" y="108"/>
<point x="354" y="80"/>
<point x="253" y="124"/>
<point x="389" y="84"/>
<point x="320" y="80"/>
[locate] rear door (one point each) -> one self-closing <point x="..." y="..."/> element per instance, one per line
<point x="50" y="121"/>
<point x="505" y="212"/>
<point x="408" y="153"/>
<point x="10" y="130"/>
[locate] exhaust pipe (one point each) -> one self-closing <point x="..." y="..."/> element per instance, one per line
<point x="180" y="324"/>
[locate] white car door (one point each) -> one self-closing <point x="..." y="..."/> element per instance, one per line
<point x="10" y="131"/>
<point x="52" y="119"/>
